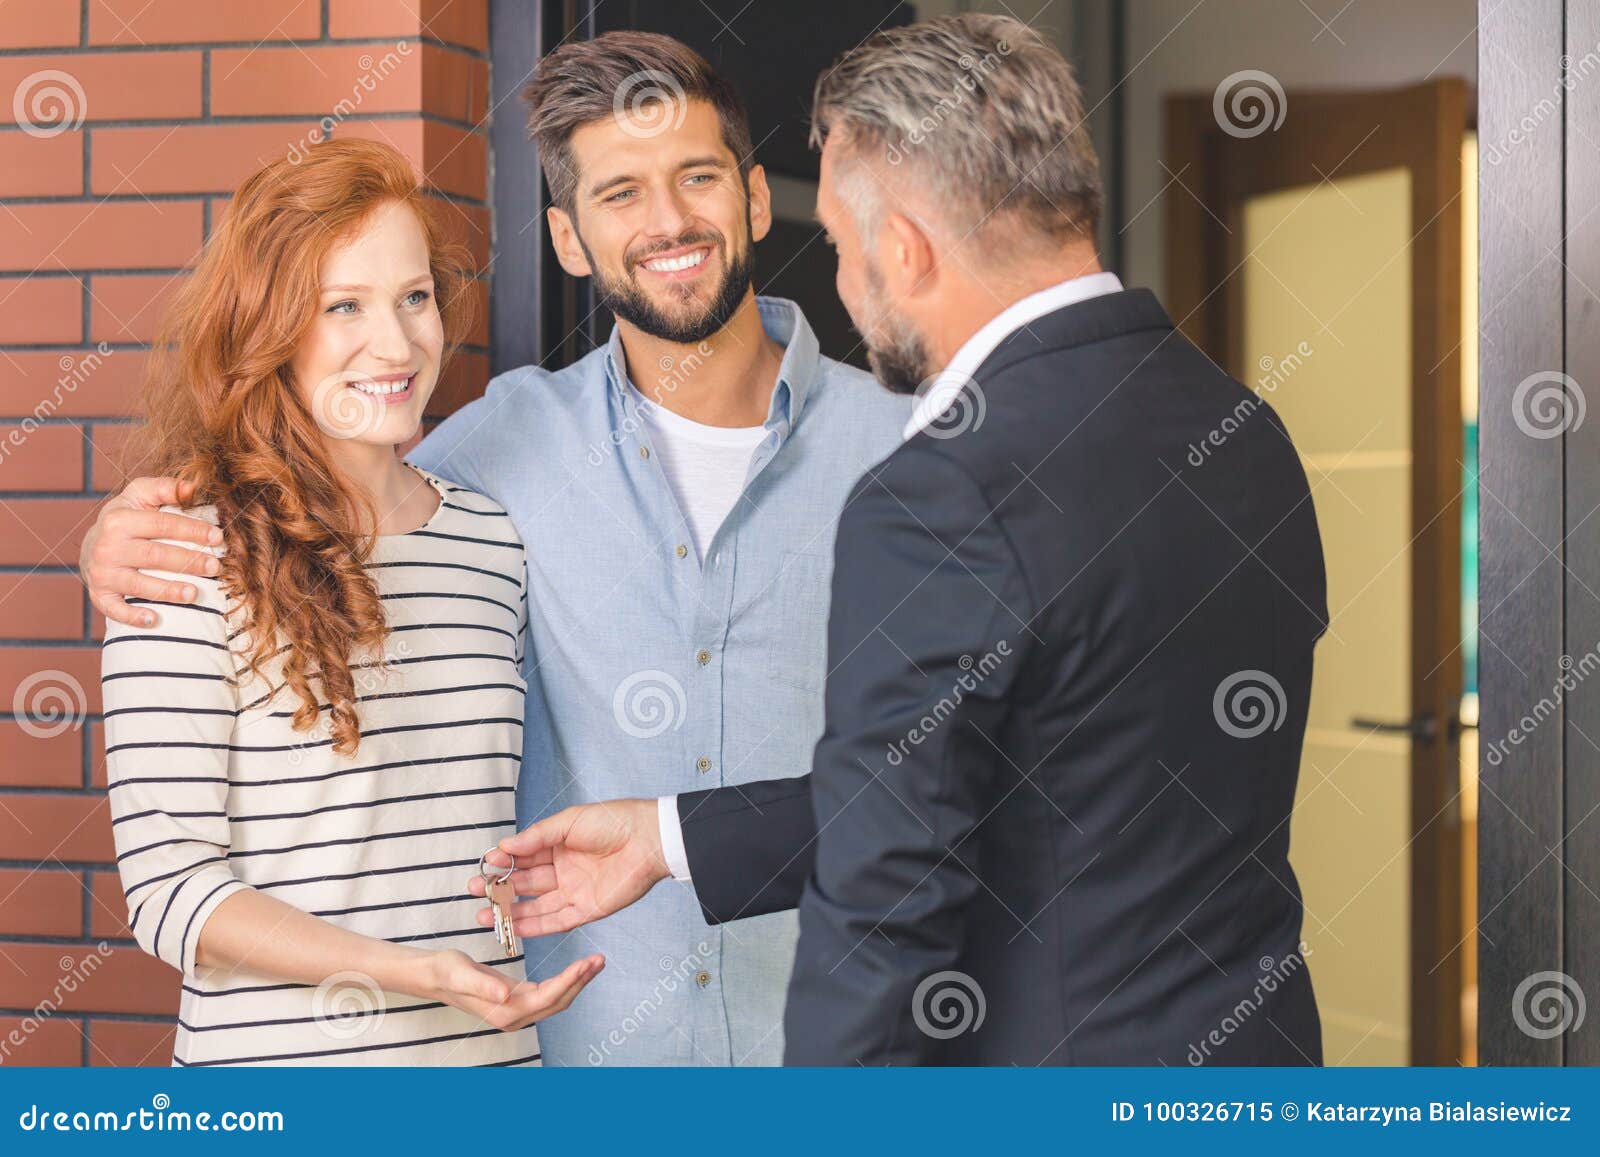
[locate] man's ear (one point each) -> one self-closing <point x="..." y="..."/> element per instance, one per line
<point x="760" y="203"/>
<point x="564" y="237"/>
<point x="906" y="256"/>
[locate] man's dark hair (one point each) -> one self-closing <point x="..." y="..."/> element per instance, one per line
<point x="638" y="75"/>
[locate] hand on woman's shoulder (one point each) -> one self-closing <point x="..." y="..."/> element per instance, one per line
<point x="204" y="514"/>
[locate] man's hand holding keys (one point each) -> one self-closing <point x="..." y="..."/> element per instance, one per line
<point x="578" y="865"/>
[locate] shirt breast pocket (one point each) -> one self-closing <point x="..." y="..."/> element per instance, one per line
<point x="801" y="612"/>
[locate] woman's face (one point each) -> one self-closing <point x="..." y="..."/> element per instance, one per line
<point x="371" y="359"/>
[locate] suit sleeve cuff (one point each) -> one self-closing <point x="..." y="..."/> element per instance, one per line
<point x="672" y="849"/>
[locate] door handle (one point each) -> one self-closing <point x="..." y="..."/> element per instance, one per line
<point x="1421" y="729"/>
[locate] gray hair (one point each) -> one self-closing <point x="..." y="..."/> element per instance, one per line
<point x="981" y="108"/>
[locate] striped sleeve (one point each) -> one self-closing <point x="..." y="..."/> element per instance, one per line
<point x="524" y="655"/>
<point x="170" y="710"/>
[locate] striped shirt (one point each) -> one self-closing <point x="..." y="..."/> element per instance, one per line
<point x="213" y="791"/>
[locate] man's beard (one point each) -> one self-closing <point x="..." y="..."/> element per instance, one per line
<point x="897" y="354"/>
<point x="629" y="303"/>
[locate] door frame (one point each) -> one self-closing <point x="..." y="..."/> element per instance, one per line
<point x="538" y="315"/>
<point x="1539" y="547"/>
<point x="1367" y="131"/>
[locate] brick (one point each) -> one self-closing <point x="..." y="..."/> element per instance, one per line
<point x="46" y="902"/>
<point x="97" y="749"/>
<point x="35" y="761"/>
<point x="130" y="308"/>
<point x="455" y="86"/>
<point x="33" y="166"/>
<point x="41" y="310"/>
<point x="40" y="458"/>
<point x="449" y="158"/>
<point x="115" y="451"/>
<point x="108" y="909"/>
<point x="465" y="378"/>
<point x="75" y="383"/>
<point x="478" y="333"/>
<point x="467" y="225"/>
<point x="200" y="158"/>
<point x="197" y="21"/>
<point x="40" y="24"/>
<point x="130" y="1043"/>
<point x="40" y="1042"/>
<point x="457" y="161"/>
<point x="121" y="979"/>
<point x="55" y="827"/>
<point x="44" y="531"/>
<point x="20" y="667"/>
<point x="104" y="86"/>
<point x="464" y="22"/>
<point x="41" y="606"/>
<point x="335" y="80"/>
<point x="100" y="235"/>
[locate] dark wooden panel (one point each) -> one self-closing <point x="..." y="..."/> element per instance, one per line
<point x="519" y="248"/>
<point x="1581" y="826"/>
<point x="1521" y="587"/>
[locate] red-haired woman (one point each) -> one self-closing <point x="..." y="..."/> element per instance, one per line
<point x="304" y="760"/>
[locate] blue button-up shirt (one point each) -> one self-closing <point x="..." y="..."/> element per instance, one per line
<point x="655" y="672"/>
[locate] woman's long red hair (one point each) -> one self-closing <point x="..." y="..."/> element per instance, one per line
<point x="224" y="412"/>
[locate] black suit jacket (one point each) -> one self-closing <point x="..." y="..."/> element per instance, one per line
<point x="1069" y="666"/>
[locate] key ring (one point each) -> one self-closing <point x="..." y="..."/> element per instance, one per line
<point x="483" y="867"/>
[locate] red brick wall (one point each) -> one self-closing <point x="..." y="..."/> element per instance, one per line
<point x="137" y="118"/>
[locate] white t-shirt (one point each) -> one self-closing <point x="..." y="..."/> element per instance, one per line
<point x="704" y="465"/>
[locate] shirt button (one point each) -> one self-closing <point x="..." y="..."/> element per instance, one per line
<point x="703" y="763"/>
<point x="683" y="551"/>
<point x="702" y="978"/>
<point x="703" y="658"/>
<point x="644" y="451"/>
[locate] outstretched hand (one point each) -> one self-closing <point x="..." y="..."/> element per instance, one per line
<point x="580" y="865"/>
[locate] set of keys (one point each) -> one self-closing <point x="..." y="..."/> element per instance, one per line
<point x="497" y="888"/>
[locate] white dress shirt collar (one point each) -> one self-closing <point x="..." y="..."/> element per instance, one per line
<point x="935" y="397"/>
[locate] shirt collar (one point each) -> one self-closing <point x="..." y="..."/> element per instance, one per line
<point x="797" y="372"/>
<point x="935" y="399"/>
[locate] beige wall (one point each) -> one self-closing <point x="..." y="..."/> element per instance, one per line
<point x="1190" y="46"/>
